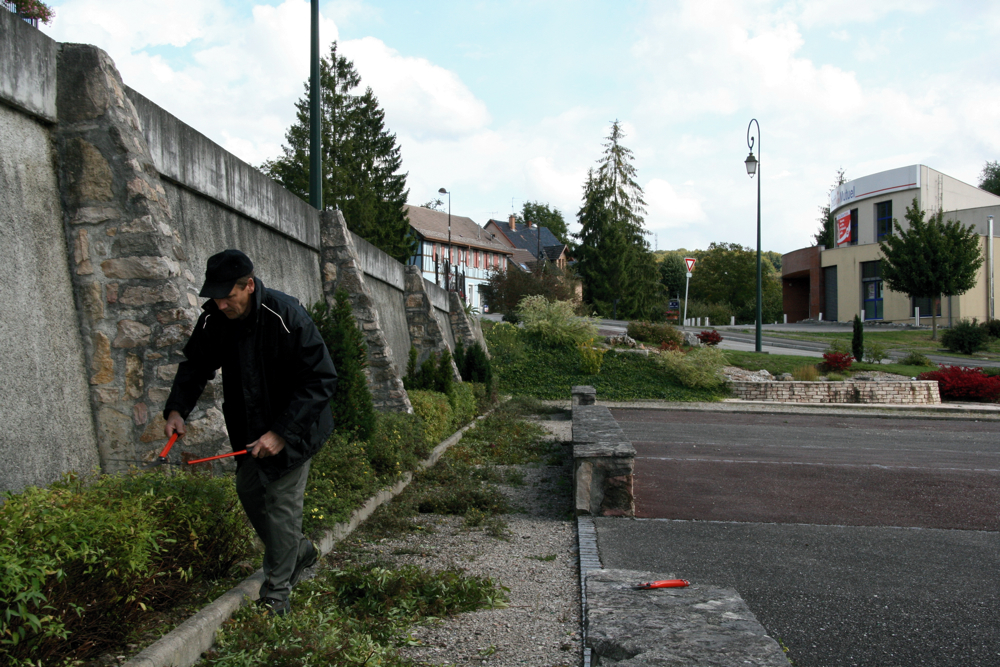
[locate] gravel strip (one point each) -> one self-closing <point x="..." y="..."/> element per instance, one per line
<point x="537" y="562"/>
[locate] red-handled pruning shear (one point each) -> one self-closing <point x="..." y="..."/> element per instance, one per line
<point x="663" y="583"/>
<point x="163" y="459"/>
<point x="220" y="456"/>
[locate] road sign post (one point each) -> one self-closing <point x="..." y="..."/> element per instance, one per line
<point x="689" y="262"/>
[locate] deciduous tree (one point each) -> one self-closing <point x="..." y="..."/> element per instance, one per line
<point x="827" y="234"/>
<point x="931" y="258"/>
<point x="545" y="216"/>
<point x="989" y="180"/>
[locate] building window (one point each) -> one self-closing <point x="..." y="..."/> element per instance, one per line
<point x="854" y="226"/>
<point x="924" y="304"/>
<point x="883" y="220"/>
<point x="871" y="290"/>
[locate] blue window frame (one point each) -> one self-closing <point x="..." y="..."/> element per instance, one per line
<point x="883" y="220"/>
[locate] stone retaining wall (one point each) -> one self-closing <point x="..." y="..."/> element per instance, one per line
<point x="913" y="392"/>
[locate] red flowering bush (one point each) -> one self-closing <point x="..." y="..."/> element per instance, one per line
<point x="34" y="9"/>
<point x="959" y="383"/>
<point x="710" y="337"/>
<point x="838" y="361"/>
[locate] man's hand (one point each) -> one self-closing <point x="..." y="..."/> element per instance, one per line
<point x="175" y="423"/>
<point x="270" y="444"/>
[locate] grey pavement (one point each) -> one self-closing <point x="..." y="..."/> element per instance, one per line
<point x="881" y="592"/>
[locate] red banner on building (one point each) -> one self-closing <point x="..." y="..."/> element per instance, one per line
<point x="844" y="228"/>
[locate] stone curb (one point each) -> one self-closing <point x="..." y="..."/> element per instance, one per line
<point x="183" y="646"/>
<point x="590" y="559"/>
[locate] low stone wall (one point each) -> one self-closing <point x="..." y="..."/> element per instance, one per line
<point x="913" y="392"/>
<point x="603" y="459"/>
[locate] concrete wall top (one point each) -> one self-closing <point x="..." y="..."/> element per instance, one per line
<point x="438" y="296"/>
<point x="28" y="61"/>
<point x="378" y="264"/>
<point x="184" y="155"/>
<point x="977" y="218"/>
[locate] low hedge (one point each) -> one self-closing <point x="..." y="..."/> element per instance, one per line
<point x="958" y="383"/>
<point x="80" y="563"/>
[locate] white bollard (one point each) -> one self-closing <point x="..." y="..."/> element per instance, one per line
<point x="821" y="317"/>
<point x="916" y="315"/>
<point x="706" y="322"/>
<point x="786" y="318"/>
<point x="732" y="320"/>
<point x="862" y="314"/>
<point x="699" y="321"/>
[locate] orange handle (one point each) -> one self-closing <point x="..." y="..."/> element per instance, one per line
<point x="220" y="456"/>
<point x="665" y="583"/>
<point x="170" y="443"/>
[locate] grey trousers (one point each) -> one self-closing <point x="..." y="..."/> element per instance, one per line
<point x="275" y="511"/>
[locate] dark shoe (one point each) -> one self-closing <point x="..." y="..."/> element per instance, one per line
<point x="307" y="560"/>
<point x="274" y="607"/>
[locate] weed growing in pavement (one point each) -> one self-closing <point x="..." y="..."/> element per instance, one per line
<point x="351" y="616"/>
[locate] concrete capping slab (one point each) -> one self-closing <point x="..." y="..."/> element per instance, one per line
<point x="590" y="559"/>
<point x="604" y="450"/>
<point x="698" y="625"/>
<point x="183" y="646"/>
<point x="603" y="460"/>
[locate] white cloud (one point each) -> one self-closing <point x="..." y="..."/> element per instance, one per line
<point x="421" y="99"/>
<point x="667" y="209"/>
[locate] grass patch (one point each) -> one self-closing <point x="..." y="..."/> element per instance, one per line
<point x="775" y="364"/>
<point x="524" y="368"/>
<point x="351" y="616"/>
<point x="917" y="340"/>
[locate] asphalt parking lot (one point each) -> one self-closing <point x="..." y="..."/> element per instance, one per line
<point x="855" y="541"/>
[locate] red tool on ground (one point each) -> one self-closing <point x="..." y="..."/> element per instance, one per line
<point x="663" y="583"/>
<point x="220" y="456"/>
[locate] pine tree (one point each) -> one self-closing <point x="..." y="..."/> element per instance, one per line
<point x="352" y="406"/>
<point x="614" y="258"/>
<point x="361" y="161"/>
<point x="858" y="339"/>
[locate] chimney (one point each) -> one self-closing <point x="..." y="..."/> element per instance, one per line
<point x="513" y="223"/>
<point x="528" y="223"/>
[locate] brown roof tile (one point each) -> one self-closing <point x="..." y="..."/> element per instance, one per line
<point x="433" y="225"/>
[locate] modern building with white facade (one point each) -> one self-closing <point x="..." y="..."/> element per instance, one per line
<point x="841" y="282"/>
<point x="466" y="252"/>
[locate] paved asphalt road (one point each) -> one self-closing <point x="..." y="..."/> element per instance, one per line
<point x="855" y="541"/>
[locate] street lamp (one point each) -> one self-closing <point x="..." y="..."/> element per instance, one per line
<point x="315" y="119"/>
<point x="753" y="165"/>
<point x="448" y="268"/>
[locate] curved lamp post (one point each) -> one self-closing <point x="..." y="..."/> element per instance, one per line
<point x="753" y="165"/>
<point x="447" y="274"/>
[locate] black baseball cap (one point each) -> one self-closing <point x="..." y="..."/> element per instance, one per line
<point x="223" y="270"/>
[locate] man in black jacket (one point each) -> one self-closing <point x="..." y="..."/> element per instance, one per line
<point x="277" y="382"/>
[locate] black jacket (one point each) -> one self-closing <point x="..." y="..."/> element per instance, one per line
<point x="277" y="375"/>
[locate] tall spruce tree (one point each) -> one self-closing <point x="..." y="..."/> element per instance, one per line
<point x="361" y="161"/>
<point x="930" y="258"/>
<point x="619" y="271"/>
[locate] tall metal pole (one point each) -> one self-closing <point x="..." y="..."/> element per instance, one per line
<point x="315" y="118"/>
<point x="750" y="142"/>
<point x="992" y="310"/>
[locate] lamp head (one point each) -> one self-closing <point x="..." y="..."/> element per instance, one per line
<point x="443" y="191"/>
<point x="751" y="163"/>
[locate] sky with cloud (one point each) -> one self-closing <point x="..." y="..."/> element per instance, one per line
<point x="507" y="102"/>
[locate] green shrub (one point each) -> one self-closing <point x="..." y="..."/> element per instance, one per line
<point x="916" y="359"/>
<point x="341" y="477"/>
<point x="965" y="337"/>
<point x="992" y="328"/>
<point x="352" y="406"/>
<point x="459" y="357"/>
<point x="445" y="373"/>
<point x="477" y="366"/>
<point x="463" y="404"/>
<point x="486" y="395"/>
<point x="503" y="439"/>
<point x="858" y="339"/>
<point x="590" y="358"/>
<point x="435" y="414"/>
<point x="655" y="333"/>
<point x="82" y="562"/>
<point x="554" y="322"/>
<point x="875" y="353"/>
<point x="701" y="368"/>
<point x="436" y="373"/>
